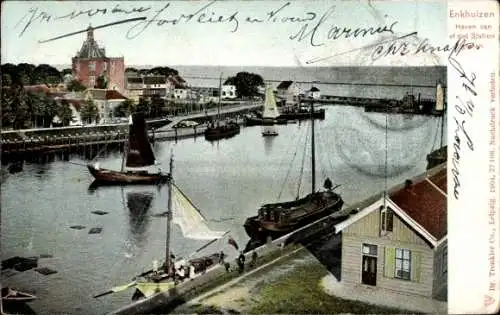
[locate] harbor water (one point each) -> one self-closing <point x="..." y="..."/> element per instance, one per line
<point x="228" y="180"/>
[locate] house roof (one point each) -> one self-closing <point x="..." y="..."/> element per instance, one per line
<point x="177" y="81"/>
<point x="114" y="95"/>
<point x="422" y="205"/>
<point x="284" y="85"/>
<point x="425" y="202"/>
<point x="314" y="89"/>
<point x="155" y="79"/>
<point x="90" y="49"/>
<point x="41" y="88"/>
<point x="102" y="94"/>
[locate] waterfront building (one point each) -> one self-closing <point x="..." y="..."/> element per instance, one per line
<point x="106" y="101"/>
<point x="91" y="62"/>
<point x="399" y="243"/>
<point x="228" y="92"/>
<point x="288" y="91"/>
<point x="314" y="93"/>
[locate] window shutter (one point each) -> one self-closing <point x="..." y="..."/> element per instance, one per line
<point x="389" y="262"/>
<point x="415" y="266"/>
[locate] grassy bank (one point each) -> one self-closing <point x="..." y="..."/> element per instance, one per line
<point x="299" y="292"/>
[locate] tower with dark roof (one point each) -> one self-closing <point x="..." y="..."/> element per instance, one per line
<point x="90" y="62"/>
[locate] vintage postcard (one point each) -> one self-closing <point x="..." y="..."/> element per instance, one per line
<point x="257" y="157"/>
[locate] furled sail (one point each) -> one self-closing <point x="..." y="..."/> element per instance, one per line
<point x="439" y="98"/>
<point x="140" y="153"/>
<point x="189" y="218"/>
<point x="270" y="108"/>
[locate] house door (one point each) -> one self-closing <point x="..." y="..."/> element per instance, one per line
<point x="369" y="271"/>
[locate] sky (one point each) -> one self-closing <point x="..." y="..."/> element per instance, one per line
<point x="233" y="42"/>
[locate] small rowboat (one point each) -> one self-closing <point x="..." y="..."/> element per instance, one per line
<point x="10" y="295"/>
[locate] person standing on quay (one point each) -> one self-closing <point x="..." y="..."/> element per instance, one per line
<point x="241" y="262"/>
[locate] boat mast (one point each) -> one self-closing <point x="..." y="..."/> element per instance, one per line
<point x="313" y="153"/>
<point x="220" y="93"/>
<point x="125" y="149"/>
<point x="169" y="216"/>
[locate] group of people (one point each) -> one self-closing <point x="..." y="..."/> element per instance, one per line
<point x="240" y="261"/>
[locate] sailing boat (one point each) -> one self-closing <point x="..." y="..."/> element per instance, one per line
<point x="137" y="154"/>
<point x="277" y="219"/>
<point x="218" y="130"/>
<point x="187" y="216"/>
<point x="439" y="155"/>
<point x="270" y="114"/>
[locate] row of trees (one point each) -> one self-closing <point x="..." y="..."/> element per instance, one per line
<point x="29" y="74"/>
<point x="23" y="109"/>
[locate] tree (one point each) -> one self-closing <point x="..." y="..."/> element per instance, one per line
<point x="89" y="111"/>
<point x="125" y="108"/>
<point x="157" y="105"/>
<point x="144" y="107"/>
<point x="64" y="112"/>
<point x="246" y="83"/>
<point x="130" y="69"/>
<point x="66" y="71"/>
<point x="101" y="82"/>
<point x="76" y="86"/>
<point x="166" y="71"/>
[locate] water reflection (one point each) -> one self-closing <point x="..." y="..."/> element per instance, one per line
<point x="268" y="145"/>
<point x="138" y="205"/>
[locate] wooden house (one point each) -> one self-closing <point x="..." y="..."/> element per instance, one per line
<point x="399" y="243"/>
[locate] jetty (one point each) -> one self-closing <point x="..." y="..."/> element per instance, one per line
<point x="77" y="138"/>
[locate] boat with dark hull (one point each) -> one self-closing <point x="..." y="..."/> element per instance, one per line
<point x="277" y="219"/>
<point x="221" y="130"/>
<point x="217" y="131"/>
<point x="137" y="154"/>
<point x="250" y="120"/>
<point x="302" y="113"/>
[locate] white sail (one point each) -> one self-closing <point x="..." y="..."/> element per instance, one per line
<point x="189" y="218"/>
<point x="270" y="108"/>
<point x="439" y="98"/>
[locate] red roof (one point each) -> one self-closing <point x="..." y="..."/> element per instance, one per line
<point x="114" y="95"/>
<point x="425" y="203"/>
<point x="37" y="88"/>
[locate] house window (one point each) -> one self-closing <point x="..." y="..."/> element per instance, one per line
<point x="403" y="264"/>
<point x="91" y="81"/>
<point x="105" y="66"/>
<point x="387" y="220"/>
<point x="92" y="66"/>
<point x="444" y="262"/>
<point x="369" y="249"/>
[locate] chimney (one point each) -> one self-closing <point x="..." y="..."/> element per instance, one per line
<point x="408" y="184"/>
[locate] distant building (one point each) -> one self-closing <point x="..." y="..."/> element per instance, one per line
<point x="91" y="62"/>
<point x="288" y="91"/>
<point x="314" y="93"/>
<point x="399" y="243"/>
<point x="106" y="102"/>
<point x="228" y="92"/>
<point x="134" y="88"/>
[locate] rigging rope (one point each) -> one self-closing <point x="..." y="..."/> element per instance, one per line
<point x="286" y="155"/>
<point x="302" y="167"/>
<point x="289" y="169"/>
